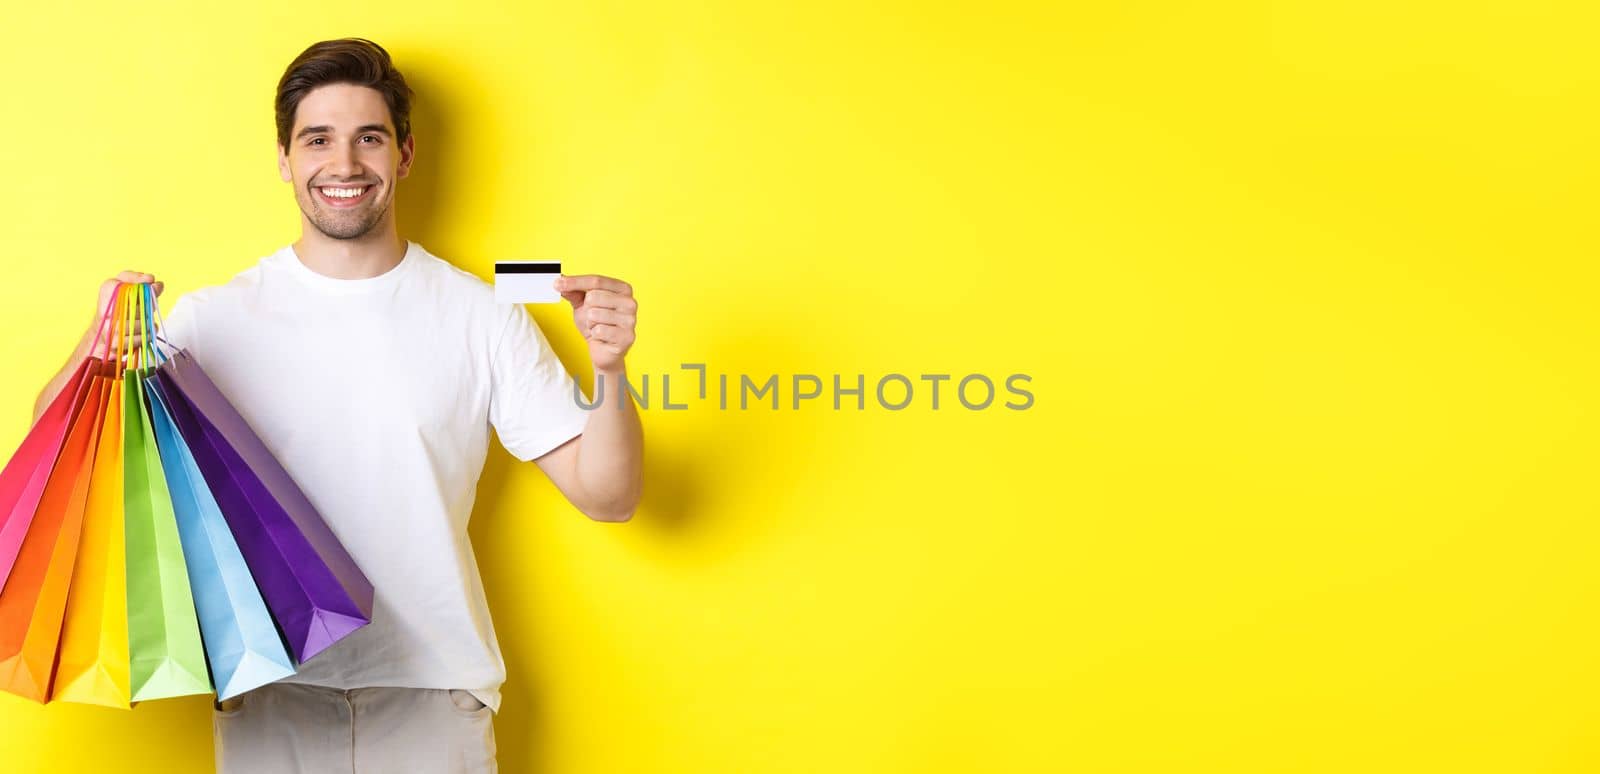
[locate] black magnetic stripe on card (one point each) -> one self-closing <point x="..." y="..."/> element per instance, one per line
<point x="527" y="268"/>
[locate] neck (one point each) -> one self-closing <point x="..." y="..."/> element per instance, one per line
<point x="364" y="257"/>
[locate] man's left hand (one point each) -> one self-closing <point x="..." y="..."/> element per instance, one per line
<point x="604" y="311"/>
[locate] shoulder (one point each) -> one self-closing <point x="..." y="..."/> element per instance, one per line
<point x="241" y="286"/>
<point x="211" y="307"/>
<point x="452" y="282"/>
<point x="459" y="296"/>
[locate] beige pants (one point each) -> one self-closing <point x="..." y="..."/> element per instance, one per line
<point x="287" y="728"/>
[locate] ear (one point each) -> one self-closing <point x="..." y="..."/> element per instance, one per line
<point x="408" y="151"/>
<point x="283" y="165"/>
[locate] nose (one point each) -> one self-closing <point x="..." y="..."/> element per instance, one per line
<point x="344" y="166"/>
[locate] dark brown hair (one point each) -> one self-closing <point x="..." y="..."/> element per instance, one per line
<point x="355" y="61"/>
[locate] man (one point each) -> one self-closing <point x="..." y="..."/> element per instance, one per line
<point x="374" y="371"/>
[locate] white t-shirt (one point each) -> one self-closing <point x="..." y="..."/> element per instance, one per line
<point x="377" y="396"/>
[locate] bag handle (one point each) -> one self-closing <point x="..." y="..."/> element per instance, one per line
<point x="119" y="329"/>
<point x="125" y="357"/>
<point x="142" y="317"/>
<point x="155" y="326"/>
<point x="107" y="315"/>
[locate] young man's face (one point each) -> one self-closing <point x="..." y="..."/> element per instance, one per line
<point x="342" y="143"/>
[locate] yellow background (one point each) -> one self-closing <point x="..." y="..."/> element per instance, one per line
<point x="1306" y="291"/>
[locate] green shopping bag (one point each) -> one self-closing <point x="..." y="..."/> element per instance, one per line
<point x="164" y="648"/>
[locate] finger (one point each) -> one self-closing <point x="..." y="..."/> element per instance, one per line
<point x="611" y="316"/>
<point x="108" y="292"/>
<point x="589" y="318"/>
<point x="607" y="299"/>
<point x="611" y="334"/>
<point x="134" y="277"/>
<point x="574" y="297"/>
<point x="605" y="333"/>
<point x="592" y="282"/>
<point x="158" y="287"/>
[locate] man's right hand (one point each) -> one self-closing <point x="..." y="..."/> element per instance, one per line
<point x="95" y="340"/>
<point x="108" y="289"/>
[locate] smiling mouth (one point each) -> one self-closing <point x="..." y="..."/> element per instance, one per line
<point x="343" y="196"/>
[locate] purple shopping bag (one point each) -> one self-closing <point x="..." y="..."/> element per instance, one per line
<point x="315" y="591"/>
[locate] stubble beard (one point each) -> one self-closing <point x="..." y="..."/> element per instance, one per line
<point x="336" y="224"/>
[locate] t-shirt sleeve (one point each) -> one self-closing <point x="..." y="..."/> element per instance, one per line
<point x="178" y="328"/>
<point x="532" y="403"/>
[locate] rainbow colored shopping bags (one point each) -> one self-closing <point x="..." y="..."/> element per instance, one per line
<point x="150" y="545"/>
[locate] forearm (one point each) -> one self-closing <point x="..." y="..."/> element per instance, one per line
<point x="610" y="460"/>
<point x="54" y="387"/>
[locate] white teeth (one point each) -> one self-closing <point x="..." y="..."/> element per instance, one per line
<point x="343" y="193"/>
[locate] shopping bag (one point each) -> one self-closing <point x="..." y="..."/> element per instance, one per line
<point x="314" y="589"/>
<point x="22" y="480"/>
<point x="35" y="596"/>
<point x="242" y="644"/>
<point x="166" y="657"/>
<point x="92" y="667"/>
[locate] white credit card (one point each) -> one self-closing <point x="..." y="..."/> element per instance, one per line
<point x="526" y="282"/>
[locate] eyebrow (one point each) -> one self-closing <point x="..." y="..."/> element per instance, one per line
<point x="379" y="128"/>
